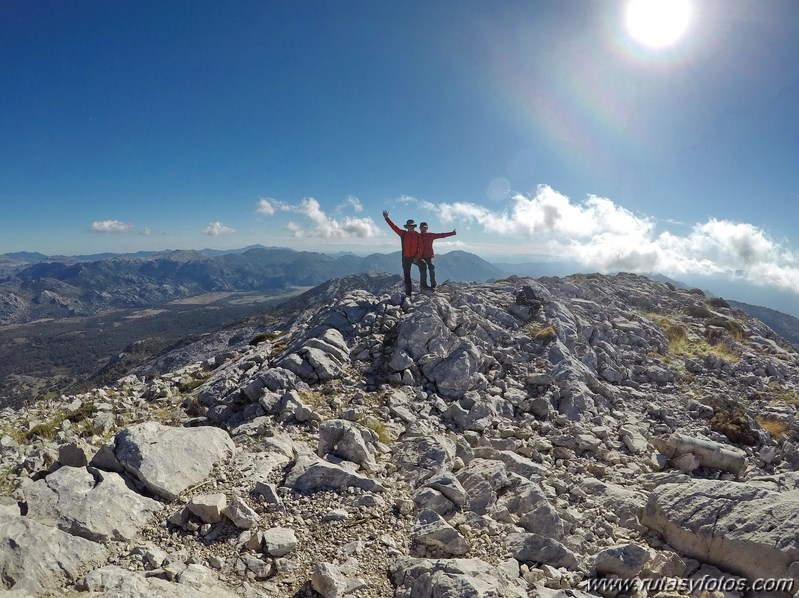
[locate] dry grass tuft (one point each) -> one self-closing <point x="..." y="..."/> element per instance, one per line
<point x="777" y="428"/>
<point x="546" y="334"/>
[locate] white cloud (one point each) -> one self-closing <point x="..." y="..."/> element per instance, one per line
<point x="318" y="224"/>
<point x="351" y="202"/>
<point x="550" y="213"/>
<point x="450" y="245"/>
<point x="217" y="228"/>
<point x="110" y="226"/>
<point x="605" y="237"/>
<point x="294" y="229"/>
<point x="264" y="206"/>
<point x="268" y="206"/>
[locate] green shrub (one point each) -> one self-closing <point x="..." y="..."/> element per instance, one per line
<point x="730" y="418"/>
<point x="699" y="292"/>
<point x="717" y="302"/>
<point x="188" y="385"/>
<point x="697" y="311"/>
<point x="45" y="430"/>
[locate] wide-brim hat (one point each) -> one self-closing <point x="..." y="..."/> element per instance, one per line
<point x="410" y="223"/>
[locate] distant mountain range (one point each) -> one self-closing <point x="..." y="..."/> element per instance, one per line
<point x="35" y="286"/>
<point x="783" y="324"/>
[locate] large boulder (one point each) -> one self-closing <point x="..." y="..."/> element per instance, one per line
<point x="311" y="474"/>
<point x="168" y="460"/>
<point x="348" y="440"/>
<point x="192" y="581"/>
<point x="36" y="557"/>
<point x="451" y="578"/>
<point x="740" y="528"/>
<point x="97" y="507"/>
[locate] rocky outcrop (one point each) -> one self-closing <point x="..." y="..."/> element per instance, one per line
<point x="740" y="528"/>
<point x="517" y="438"/>
<point x="169" y="460"/>
<point x="95" y="505"/>
<point x="35" y="558"/>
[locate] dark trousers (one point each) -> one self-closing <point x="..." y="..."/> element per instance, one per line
<point x="427" y="264"/>
<point x="407" y="262"/>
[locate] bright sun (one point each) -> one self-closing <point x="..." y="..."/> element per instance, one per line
<point x="657" y="23"/>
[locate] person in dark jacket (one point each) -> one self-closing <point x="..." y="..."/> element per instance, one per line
<point x="411" y="248"/>
<point x="427" y="258"/>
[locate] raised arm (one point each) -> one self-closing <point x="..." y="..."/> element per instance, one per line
<point x="396" y="228"/>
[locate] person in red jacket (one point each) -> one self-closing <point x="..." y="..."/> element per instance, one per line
<point x="427" y="260"/>
<point x="411" y="248"/>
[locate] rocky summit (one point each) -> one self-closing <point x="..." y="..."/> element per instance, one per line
<point x="514" y="438"/>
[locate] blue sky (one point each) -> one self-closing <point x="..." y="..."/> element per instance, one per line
<point x="538" y="127"/>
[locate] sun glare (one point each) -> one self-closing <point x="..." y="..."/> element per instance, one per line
<point x="657" y="23"/>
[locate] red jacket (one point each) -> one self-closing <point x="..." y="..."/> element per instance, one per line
<point x="411" y="247"/>
<point x="427" y="242"/>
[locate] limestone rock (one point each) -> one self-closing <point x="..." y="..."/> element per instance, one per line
<point x="310" y="474"/>
<point x="432" y="530"/>
<point x="451" y="578"/>
<point x="740" y="528"/>
<point x="533" y="548"/>
<point x="36" y="557"/>
<point x="169" y="460"/>
<point x="97" y="507"/>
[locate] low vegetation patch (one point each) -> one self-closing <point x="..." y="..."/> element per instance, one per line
<point x="377" y="427"/>
<point x="7" y="486"/>
<point x="697" y="311"/>
<point x="732" y="326"/>
<point x="683" y="343"/>
<point x="777" y="428"/>
<point x="186" y="386"/>
<point x="47" y="429"/>
<point x="677" y="334"/>
<point x="786" y="396"/>
<point x="314" y="398"/>
<point x="545" y="334"/>
<point x="13" y="432"/>
<point x="730" y="418"/>
<point x="717" y="302"/>
<point x="264" y="337"/>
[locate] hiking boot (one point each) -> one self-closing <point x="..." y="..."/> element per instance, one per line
<point x="424" y="287"/>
